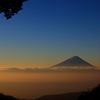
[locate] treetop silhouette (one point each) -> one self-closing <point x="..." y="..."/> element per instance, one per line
<point x="10" y="7"/>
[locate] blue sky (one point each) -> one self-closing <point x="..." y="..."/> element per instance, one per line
<point x="47" y="32"/>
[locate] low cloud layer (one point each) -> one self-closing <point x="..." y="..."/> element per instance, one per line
<point x="55" y="69"/>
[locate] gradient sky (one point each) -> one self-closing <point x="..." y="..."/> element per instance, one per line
<point x="47" y="32"/>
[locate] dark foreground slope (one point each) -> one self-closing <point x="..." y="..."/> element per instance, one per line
<point x="6" y="97"/>
<point x="94" y="94"/>
<point x="67" y="96"/>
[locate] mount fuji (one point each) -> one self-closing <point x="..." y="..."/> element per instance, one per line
<point x="74" y="61"/>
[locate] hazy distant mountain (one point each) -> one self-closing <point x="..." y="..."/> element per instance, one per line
<point x="67" y="96"/>
<point x="74" y="61"/>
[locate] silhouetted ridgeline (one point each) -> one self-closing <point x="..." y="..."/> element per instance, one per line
<point x="67" y="96"/>
<point x="6" y="97"/>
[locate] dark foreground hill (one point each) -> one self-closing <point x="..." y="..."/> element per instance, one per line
<point x="6" y="97"/>
<point x="94" y="94"/>
<point x="67" y="96"/>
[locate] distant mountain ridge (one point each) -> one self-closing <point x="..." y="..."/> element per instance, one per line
<point x="74" y="61"/>
<point x="66" y="96"/>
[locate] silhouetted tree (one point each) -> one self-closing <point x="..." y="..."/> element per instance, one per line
<point x="10" y="7"/>
<point x="94" y="94"/>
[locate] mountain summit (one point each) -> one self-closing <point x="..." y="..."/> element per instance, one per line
<point x="74" y="61"/>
